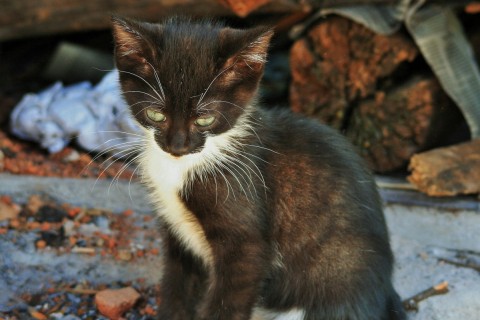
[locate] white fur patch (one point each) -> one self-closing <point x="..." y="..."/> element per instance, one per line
<point x="169" y="176"/>
<point x="263" y="314"/>
<point x="166" y="175"/>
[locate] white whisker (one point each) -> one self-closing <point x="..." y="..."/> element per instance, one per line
<point x="116" y="158"/>
<point x="113" y="179"/>
<point x="216" y="77"/>
<point x="262" y="147"/>
<point x="131" y="144"/>
<point x="158" y="80"/>
<point x="222" y="101"/>
<point x="143" y="79"/>
<point x="145" y="93"/>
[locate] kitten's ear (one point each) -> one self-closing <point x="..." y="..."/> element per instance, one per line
<point x="131" y="44"/>
<point x="245" y="50"/>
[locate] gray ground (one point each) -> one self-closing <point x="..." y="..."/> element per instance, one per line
<point x="420" y="237"/>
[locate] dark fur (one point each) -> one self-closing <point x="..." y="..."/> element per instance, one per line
<point x="320" y="211"/>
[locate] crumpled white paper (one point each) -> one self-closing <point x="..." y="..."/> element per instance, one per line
<point x="97" y="117"/>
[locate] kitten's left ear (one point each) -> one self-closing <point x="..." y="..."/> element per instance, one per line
<point x="246" y="50"/>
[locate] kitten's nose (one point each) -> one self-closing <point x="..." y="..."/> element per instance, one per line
<point x="178" y="145"/>
<point x="179" y="151"/>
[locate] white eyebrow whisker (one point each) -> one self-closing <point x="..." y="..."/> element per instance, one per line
<point x="148" y="83"/>
<point x="216" y="77"/>
<point x="145" y="93"/>
<point x="158" y="80"/>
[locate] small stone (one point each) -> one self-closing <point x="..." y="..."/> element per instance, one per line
<point x="41" y="244"/>
<point x="148" y="310"/>
<point x="37" y="315"/>
<point x="72" y="156"/>
<point x="2" y="160"/>
<point x="124" y="255"/>
<point x="14" y="223"/>
<point x="49" y="213"/>
<point x="8" y="211"/>
<point x="100" y="242"/>
<point x="114" y="303"/>
<point x="34" y="203"/>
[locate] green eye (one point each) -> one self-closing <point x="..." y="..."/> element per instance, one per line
<point x="156" y="116"/>
<point x="205" y="122"/>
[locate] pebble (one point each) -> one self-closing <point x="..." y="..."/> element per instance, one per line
<point x="74" y="155"/>
<point x="8" y="211"/>
<point x="2" y="160"/>
<point x="54" y="237"/>
<point x="61" y="316"/>
<point x="114" y="303"/>
<point x="34" y="203"/>
<point x="124" y="255"/>
<point x="50" y="213"/>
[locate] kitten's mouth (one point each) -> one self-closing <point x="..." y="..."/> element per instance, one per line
<point x="180" y="155"/>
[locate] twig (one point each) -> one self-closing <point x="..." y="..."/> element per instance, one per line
<point x="462" y="258"/>
<point x="466" y="264"/>
<point x="80" y="291"/>
<point x="87" y="250"/>
<point x="412" y="302"/>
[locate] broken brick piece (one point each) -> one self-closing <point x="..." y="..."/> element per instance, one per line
<point x="8" y="211"/>
<point x="242" y="8"/>
<point x="114" y="303"/>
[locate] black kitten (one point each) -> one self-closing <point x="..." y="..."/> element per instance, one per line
<point x="267" y="215"/>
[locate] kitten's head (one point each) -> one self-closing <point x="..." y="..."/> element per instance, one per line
<point x="187" y="81"/>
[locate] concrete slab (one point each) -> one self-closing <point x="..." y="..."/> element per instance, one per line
<point x="115" y="196"/>
<point x="419" y="236"/>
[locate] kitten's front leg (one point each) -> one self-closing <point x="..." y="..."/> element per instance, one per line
<point x="180" y="285"/>
<point x="235" y="280"/>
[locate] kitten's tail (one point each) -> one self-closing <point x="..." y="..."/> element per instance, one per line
<point x="395" y="308"/>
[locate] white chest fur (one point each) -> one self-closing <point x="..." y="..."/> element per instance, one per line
<point x="167" y="176"/>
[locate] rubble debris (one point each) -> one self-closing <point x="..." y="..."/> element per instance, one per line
<point x="124" y="238"/>
<point x="72" y="229"/>
<point x="21" y="157"/>
<point x="339" y="62"/>
<point x="395" y="124"/>
<point x="447" y="171"/>
<point x="114" y="303"/>
<point x="75" y="301"/>
<point x="347" y="76"/>
<point x="438" y="33"/>
<point x="8" y="209"/>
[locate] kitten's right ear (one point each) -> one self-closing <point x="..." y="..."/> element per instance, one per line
<point x="131" y="45"/>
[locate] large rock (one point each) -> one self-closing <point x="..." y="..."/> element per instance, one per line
<point x="448" y="171"/>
